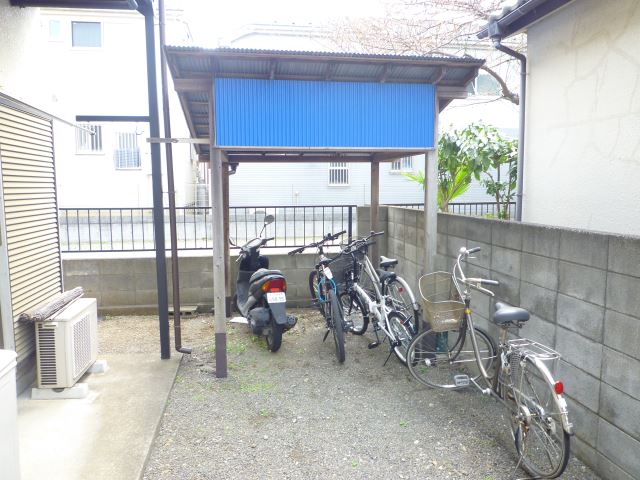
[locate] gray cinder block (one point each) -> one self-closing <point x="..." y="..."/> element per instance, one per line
<point x="585" y="248"/>
<point x="623" y="293"/>
<point x="579" y="385"/>
<point x="579" y="351"/>
<point x="506" y="234"/>
<point x="542" y="271"/>
<point x="580" y="316"/>
<point x="621" y="371"/>
<point x="585" y="283"/>
<point x="618" y="446"/>
<point x="539" y="301"/>
<point x="541" y="240"/>
<point x="505" y="260"/>
<point x="622" y="333"/>
<point x="624" y="255"/>
<point x="620" y="409"/>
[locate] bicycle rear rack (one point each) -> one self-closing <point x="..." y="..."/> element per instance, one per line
<point x="530" y="348"/>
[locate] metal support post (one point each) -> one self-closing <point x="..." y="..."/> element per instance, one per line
<point x="375" y="202"/>
<point x="431" y="198"/>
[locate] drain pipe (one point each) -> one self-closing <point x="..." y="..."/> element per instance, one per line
<point x="175" y="274"/>
<point x="496" y="39"/>
<point x="145" y="7"/>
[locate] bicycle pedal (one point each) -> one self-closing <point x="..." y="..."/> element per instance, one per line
<point x="373" y="345"/>
<point x="461" y="380"/>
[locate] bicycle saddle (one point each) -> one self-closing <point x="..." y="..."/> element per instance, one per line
<point x="386" y="276"/>
<point x="387" y="262"/>
<point x="507" y="314"/>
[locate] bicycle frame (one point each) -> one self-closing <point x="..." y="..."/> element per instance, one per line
<point x="502" y="353"/>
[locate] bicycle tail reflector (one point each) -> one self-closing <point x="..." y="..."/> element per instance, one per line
<point x="558" y="387"/>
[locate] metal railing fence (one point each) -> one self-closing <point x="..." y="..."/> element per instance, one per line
<point x="131" y="229"/>
<point x="474" y="209"/>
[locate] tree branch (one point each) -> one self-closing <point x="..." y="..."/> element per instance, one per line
<point x="506" y="93"/>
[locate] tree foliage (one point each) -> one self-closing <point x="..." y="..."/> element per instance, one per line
<point x="477" y="151"/>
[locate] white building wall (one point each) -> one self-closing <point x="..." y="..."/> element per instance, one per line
<point x="107" y="80"/>
<point x="308" y="184"/>
<point x="22" y="74"/>
<point x="583" y="118"/>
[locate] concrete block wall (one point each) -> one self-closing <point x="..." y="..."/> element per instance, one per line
<point x="128" y="285"/>
<point x="583" y="291"/>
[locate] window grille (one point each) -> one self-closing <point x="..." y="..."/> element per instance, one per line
<point x="338" y="173"/>
<point x="86" y="34"/>
<point x="127" y="153"/>
<point x="405" y="164"/>
<point x="89" y="139"/>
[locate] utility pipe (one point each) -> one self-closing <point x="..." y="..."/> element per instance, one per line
<point x="496" y="39"/>
<point x="175" y="273"/>
<point x="145" y="7"/>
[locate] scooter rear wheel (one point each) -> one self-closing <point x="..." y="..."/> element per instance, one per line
<point x="274" y="337"/>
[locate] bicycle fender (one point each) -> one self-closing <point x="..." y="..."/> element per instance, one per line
<point x="279" y="312"/>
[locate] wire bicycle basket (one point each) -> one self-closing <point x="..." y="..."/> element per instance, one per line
<point x="441" y="301"/>
<point x="346" y="268"/>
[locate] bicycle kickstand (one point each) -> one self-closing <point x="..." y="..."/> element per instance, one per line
<point x="392" y="345"/>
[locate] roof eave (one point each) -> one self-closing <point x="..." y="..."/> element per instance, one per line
<point x="520" y="18"/>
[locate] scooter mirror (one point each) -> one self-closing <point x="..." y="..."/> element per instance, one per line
<point x="269" y="219"/>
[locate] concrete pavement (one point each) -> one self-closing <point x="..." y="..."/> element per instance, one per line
<point x="106" y="436"/>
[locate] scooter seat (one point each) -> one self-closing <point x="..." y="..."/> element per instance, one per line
<point x="262" y="273"/>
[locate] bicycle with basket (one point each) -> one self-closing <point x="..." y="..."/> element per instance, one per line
<point x="452" y="353"/>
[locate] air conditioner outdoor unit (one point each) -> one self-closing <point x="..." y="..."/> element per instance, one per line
<point x="67" y="344"/>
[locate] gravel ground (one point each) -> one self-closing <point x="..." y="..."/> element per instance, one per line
<point x="299" y="414"/>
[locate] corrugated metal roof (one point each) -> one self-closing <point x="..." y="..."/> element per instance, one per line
<point x="193" y="69"/>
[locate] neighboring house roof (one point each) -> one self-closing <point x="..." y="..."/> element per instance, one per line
<point x="515" y="17"/>
<point x="193" y="68"/>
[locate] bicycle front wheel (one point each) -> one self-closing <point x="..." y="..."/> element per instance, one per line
<point x="403" y="301"/>
<point x="447" y="359"/>
<point x="336" y="324"/>
<point x="355" y="314"/>
<point x="536" y="418"/>
<point x="313" y="290"/>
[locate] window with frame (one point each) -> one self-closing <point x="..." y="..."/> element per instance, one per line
<point x="86" y="34"/>
<point x="127" y="152"/>
<point x="405" y="164"/>
<point x="89" y="138"/>
<point x="338" y="174"/>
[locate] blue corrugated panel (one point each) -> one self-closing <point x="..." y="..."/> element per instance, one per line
<point x="292" y="113"/>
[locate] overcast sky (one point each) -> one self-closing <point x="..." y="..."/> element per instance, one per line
<point x="213" y="19"/>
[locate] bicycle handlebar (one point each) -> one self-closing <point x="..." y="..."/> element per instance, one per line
<point x="474" y="283"/>
<point x="327" y="238"/>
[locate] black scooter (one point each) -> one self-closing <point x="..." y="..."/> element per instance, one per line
<point x="261" y="293"/>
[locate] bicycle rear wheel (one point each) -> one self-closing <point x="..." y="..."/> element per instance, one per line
<point x="446" y="359"/>
<point x="404" y="332"/>
<point x="536" y="418"/>
<point x="336" y="323"/>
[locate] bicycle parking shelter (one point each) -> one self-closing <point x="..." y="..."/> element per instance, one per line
<point x="252" y="106"/>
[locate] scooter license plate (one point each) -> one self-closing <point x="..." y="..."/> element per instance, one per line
<point x="276" y="297"/>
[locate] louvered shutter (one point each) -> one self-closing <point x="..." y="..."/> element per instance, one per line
<point x="30" y="214"/>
